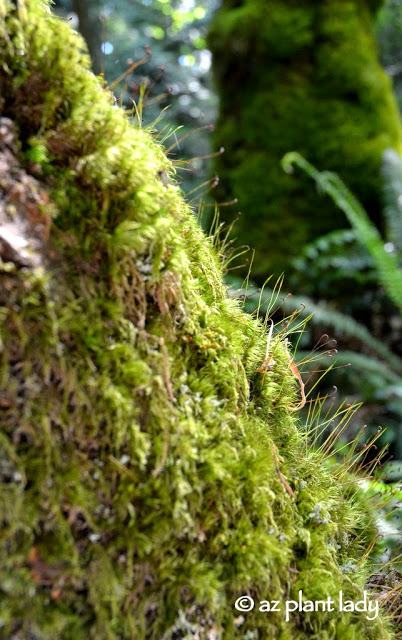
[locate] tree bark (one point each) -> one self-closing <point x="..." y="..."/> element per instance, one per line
<point x="90" y="27"/>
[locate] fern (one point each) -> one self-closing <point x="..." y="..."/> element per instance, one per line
<point x="338" y="248"/>
<point x="330" y="241"/>
<point x="389" y="273"/>
<point x="330" y="258"/>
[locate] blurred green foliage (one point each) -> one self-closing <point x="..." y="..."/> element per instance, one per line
<point x="174" y="78"/>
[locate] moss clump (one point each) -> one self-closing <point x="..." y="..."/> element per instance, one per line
<point x="298" y="76"/>
<point x="150" y="473"/>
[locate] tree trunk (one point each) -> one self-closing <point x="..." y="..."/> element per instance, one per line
<point x="298" y="76"/>
<point x="90" y="26"/>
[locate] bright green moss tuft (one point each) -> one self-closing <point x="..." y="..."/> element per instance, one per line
<point x="298" y="76"/>
<point x="139" y="443"/>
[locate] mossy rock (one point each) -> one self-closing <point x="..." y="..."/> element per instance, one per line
<point x="298" y="76"/>
<point x="152" y="469"/>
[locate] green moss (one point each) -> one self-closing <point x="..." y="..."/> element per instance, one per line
<point x="304" y="77"/>
<point x="139" y="443"/>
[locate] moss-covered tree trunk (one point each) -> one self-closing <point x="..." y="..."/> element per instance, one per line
<point x="151" y="466"/>
<point x="298" y="76"/>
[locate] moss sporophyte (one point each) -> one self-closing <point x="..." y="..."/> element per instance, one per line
<point x="150" y="473"/>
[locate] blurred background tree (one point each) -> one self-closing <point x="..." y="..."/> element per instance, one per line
<point x="299" y="76"/>
<point x="389" y="37"/>
<point x="87" y="15"/>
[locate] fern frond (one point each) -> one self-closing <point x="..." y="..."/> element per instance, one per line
<point x="389" y="273"/>
<point x="339" y="250"/>
<point x="324" y="244"/>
